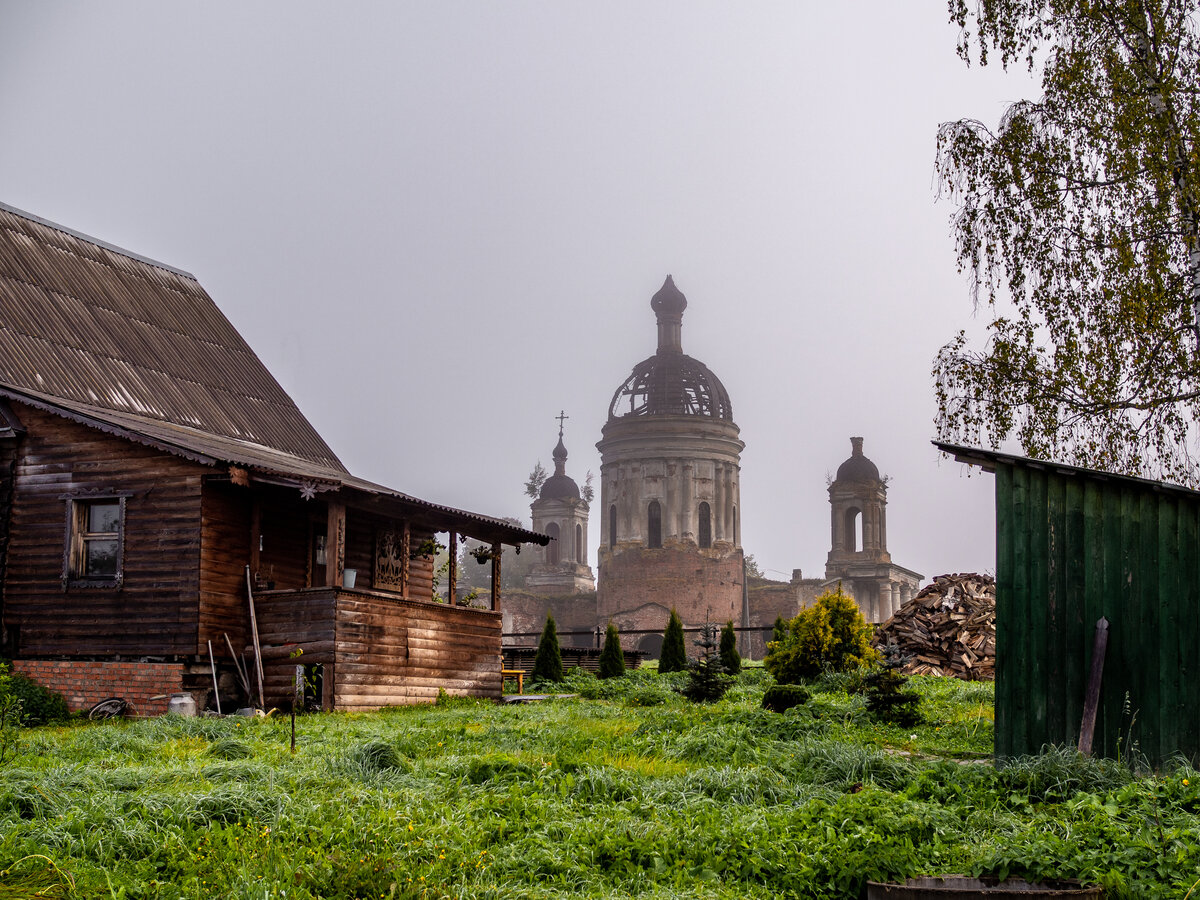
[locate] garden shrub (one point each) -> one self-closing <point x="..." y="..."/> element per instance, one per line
<point x="782" y="697"/>
<point x="673" y="657"/>
<point x="730" y="658"/>
<point x="831" y="634"/>
<point x="886" y="700"/>
<point x="779" y="632"/>
<point x="612" y="660"/>
<point x="707" y="681"/>
<point x="39" y="704"/>
<point x="547" y="665"/>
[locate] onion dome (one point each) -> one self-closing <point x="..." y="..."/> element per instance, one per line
<point x="857" y="467"/>
<point x="670" y="383"/>
<point x="560" y="485"/>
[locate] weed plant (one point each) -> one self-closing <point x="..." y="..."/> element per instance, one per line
<point x="625" y="790"/>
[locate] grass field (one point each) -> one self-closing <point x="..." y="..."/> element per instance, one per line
<point x="625" y="791"/>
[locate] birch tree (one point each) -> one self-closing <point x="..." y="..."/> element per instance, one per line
<point x="1077" y="219"/>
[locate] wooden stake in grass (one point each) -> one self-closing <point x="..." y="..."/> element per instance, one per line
<point x="262" y="703"/>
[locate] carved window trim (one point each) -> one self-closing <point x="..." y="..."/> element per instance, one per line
<point x="78" y="537"/>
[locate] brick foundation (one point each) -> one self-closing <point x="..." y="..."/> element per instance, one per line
<point x="85" y="684"/>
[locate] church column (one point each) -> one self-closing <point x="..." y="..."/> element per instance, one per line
<point x="727" y="512"/>
<point x="685" y="512"/>
<point x="883" y="523"/>
<point x="671" y="513"/>
<point x="718" y="512"/>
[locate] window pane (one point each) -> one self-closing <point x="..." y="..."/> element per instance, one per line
<point x="100" y="558"/>
<point x="103" y="517"/>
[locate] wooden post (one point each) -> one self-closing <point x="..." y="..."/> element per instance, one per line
<point x="496" y="549"/>
<point x="335" y="544"/>
<point x="256" y="537"/>
<point x="1091" y="700"/>
<point x="405" y="550"/>
<point x="262" y="702"/>
<point x="452" y="571"/>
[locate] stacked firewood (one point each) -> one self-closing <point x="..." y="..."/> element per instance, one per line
<point x="949" y="628"/>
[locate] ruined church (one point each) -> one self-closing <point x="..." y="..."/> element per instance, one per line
<point x="670" y="517"/>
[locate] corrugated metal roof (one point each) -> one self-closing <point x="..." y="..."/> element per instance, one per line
<point x="137" y="348"/>
<point x="91" y="324"/>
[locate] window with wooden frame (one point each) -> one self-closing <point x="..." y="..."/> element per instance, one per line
<point x="95" y="540"/>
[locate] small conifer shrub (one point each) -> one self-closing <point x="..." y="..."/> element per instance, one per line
<point x="780" y="630"/>
<point x="673" y="657"/>
<point x="612" y="660"/>
<point x="547" y="665"/>
<point x="731" y="660"/>
<point x="886" y="700"/>
<point x="782" y="697"/>
<point x="707" y="681"/>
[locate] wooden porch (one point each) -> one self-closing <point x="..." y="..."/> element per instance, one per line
<point x="364" y="649"/>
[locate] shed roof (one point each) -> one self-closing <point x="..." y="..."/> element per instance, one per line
<point x="138" y="348"/>
<point x="989" y="459"/>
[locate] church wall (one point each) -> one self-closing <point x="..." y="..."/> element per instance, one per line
<point x="639" y="583"/>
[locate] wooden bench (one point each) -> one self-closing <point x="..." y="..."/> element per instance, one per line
<point x="513" y="673"/>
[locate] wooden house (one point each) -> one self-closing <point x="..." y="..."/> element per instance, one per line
<point x="154" y="477"/>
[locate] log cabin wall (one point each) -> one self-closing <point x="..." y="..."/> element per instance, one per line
<point x="287" y="526"/>
<point x="225" y="542"/>
<point x="154" y="609"/>
<point x="8" y="464"/>
<point x="375" y="650"/>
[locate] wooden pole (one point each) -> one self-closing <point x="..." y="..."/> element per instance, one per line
<point x="1091" y="701"/>
<point x="496" y="550"/>
<point x="212" y="662"/>
<point x="237" y="664"/>
<point x="452" y="571"/>
<point x="262" y="703"/>
<point x="335" y="544"/>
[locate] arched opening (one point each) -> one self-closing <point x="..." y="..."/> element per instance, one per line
<point x="654" y="525"/>
<point x="612" y="526"/>
<point x="704" y="532"/>
<point x="651" y="645"/>
<point x="853" y="526"/>
<point x="552" y="549"/>
<point x="579" y="544"/>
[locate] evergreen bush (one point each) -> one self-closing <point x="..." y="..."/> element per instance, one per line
<point x="674" y="655"/>
<point x="885" y="699"/>
<point x="780" y="630"/>
<point x="707" y="681"/>
<point x="612" y="660"/>
<point x="830" y="635"/>
<point x="547" y="665"/>
<point x="782" y="697"/>
<point x="731" y="660"/>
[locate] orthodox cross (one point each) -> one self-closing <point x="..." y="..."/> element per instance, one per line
<point x="562" y="414"/>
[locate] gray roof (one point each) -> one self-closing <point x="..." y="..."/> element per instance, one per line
<point x="137" y="348"/>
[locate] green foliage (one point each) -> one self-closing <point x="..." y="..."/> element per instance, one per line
<point x="831" y="634"/>
<point x="601" y="796"/>
<point x="39" y="704"/>
<point x="886" y="699"/>
<point x="547" y="665"/>
<point x="707" y="681"/>
<point x="1078" y="217"/>
<point x="533" y="484"/>
<point x="612" y="660"/>
<point x="674" y="655"/>
<point x="753" y="570"/>
<point x="730" y="658"/>
<point x="779" y="632"/>
<point x="782" y="697"/>
<point x="11" y="716"/>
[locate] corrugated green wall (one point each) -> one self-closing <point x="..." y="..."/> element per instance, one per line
<point x="1073" y="546"/>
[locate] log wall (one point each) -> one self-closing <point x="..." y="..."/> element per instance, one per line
<point x="224" y="554"/>
<point x="376" y="649"/>
<point x="154" y="610"/>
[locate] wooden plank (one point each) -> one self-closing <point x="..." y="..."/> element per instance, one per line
<point x="1074" y="586"/>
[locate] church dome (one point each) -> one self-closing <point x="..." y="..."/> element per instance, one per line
<point x="560" y="485"/>
<point x="670" y="382"/>
<point x="857" y="467"/>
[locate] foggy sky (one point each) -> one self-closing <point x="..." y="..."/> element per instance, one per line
<point x="439" y="223"/>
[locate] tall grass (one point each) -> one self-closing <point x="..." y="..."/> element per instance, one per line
<point x="628" y="791"/>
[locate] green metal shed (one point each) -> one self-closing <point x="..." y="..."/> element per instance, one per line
<point x="1073" y="545"/>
